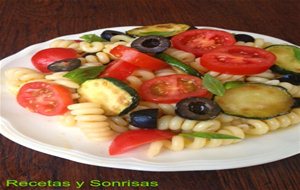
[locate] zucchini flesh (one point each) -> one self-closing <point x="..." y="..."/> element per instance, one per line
<point x="114" y="97"/>
<point x="165" y="30"/>
<point x="256" y="101"/>
<point x="288" y="59"/>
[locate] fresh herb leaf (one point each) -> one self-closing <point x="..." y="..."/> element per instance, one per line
<point x="209" y="135"/>
<point x="92" y="38"/>
<point x="233" y="84"/>
<point x="297" y="53"/>
<point x="82" y="74"/>
<point x="213" y="85"/>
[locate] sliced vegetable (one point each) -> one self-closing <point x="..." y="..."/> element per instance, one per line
<point x="118" y="69"/>
<point x="197" y="108"/>
<point x="238" y="60"/>
<point x="44" y="98"/>
<point x="288" y="59"/>
<point x="258" y="101"/>
<point x="151" y="44"/>
<point x="165" y="30"/>
<point x="82" y="74"/>
<point x="64" y="65"/>
<point x="45" y="57"/>
<point x="213" y="85"/>
<point x="146" y="118"/>
<point x="178" y="64"/>
<point x="243" y="38"/>
<point x="92" y="38"/>
<point x="134" y="138"/>
<point x="114" y="96"/>
<point x="209" y="135"/>
<point x="137" y="58"/>
<point x="200" y="41"/>
<point x="108" y="34"/>
<point x="172" y="88"/>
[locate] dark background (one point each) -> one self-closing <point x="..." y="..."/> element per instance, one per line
<point x="26" y="22"/>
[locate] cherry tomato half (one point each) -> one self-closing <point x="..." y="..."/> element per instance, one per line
<point x="238" y="60"/>
<point x="172" y="88"/>
<point x="44" y="98"/>
<point x="119" y="69"/>
<point x="137" y="58"/>
<point x="200" y="41"/>
<point x="45" y="57"/>
<point x="134" y="138"/>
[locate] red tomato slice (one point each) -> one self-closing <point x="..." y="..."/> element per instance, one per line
<point x="137" y="58"/>
<point x="119" y="69"/>
<point x="44" y="98"/>
<point x="45" y="57"/>
<point x="134" y="138"/>
<point x="172" y="88"/>
<point x="200" y="41"/>
<point x="238" y="60"/>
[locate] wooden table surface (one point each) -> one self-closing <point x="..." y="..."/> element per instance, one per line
<point x="27" y="22"/>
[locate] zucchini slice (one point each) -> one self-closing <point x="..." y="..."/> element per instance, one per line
<point x="114" y="96"/>
<point x="165" y="30"/>
<point x="256" y="101"/>
<point x="288" y="59"/>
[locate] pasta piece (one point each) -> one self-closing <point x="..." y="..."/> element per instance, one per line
<point x="168" y="109"/>
<point x="110" y="46"/>
<point x="182" y="56"/>
<point x="59" y="78"/>
<point x="91" y="121"/>
<point x="118" y="124"/>
<point x="259" y="43"/>
<point x="260" y="127"/>
<point x="121" y="37"/>
<point x="138" y="77"/>
<point x="226" y="77"/>
<point x="100" y="57"/>
<point x="92" y="47"/>
<point x="66" y="44"/>
<point x="165" y="72"/>
<point x="16" y="77"/>
<point x="197" y="65"/>
<point x="67" y="119"/>
<point x="177" y="123"/>
<point x="261" y="77"/>
<point x="178" y="143"/>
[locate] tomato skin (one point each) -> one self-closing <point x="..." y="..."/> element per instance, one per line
<point x="238" y="60"/>
<point x="200" y="41"/>
<point x="137" y="58"/>
<point x="134" y="138"/>
<point x="44" y="98"/>
<point x="119" y="69"/>
<point x="172" y="88"/>
<point x="45" y="57"/>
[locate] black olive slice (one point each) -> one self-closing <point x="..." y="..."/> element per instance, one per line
<point x="108" y="34"/>
<point x="151" y="44"/>
<point x="146" y="118"/>
<point x="197" y="108"/>
<point x="244" y="38"/>
<point x="64" y="65"/>
<point x="290" y="78"/>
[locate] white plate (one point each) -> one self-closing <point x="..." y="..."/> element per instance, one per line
<point x="44" y="134"/>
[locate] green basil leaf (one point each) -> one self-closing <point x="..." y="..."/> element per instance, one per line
<point x="92" y="38"/>
<point x="209" y="135"/>
<point x="297" y="53"/>
<point x="82" y="74"/>
<point x="213" y="85"/>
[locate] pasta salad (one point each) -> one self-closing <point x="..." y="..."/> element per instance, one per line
<point x="171" y="86"/>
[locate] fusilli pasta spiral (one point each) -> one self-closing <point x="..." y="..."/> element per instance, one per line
<point x="182" y="56"/>
<point x="138" y="77"/>
<point x="66" y="44"/>
<point x="59" y="78"/>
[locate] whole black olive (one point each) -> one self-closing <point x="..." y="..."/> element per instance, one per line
<point x="146" y="118"/>
<point x="151" y="44"/>
<point x="64" y="65"/>
<point x="107" y="34"/>
<point x="197" y="108"/>
<point x="244" y="38"/>
<point x="290" y="78"/>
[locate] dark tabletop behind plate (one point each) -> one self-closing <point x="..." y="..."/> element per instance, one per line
<point x="27" y="22"/>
